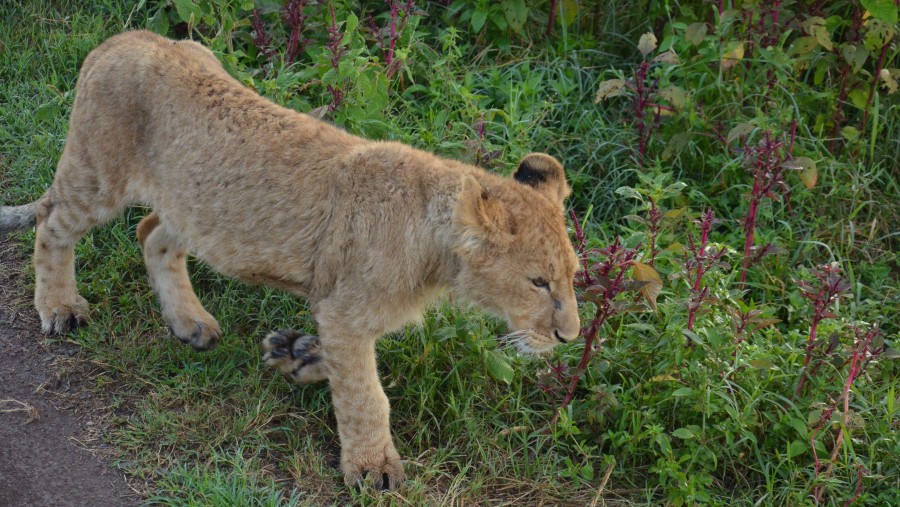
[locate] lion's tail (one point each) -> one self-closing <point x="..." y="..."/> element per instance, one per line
<point x="17" y="218"/>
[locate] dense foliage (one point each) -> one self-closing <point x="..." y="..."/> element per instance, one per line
<point x="735" y="203"/>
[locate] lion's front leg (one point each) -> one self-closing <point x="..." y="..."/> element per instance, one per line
<point x="361" y="409"/>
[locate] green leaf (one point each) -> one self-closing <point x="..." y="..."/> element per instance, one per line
<point x="478" y="20"/>
<point x="878" y="34"/>
<point x="823" y="37"/>
<point x="674" y="95"/>
<point x="159" y="23"/>
<point x="762" y="364"/>
<point x="516" y="13"/>
<point x="803" y="45"/>
<point x="629" y="192"/>
<point x="188" y="11"/>
<point x="684" y="391"/>
<point x="676" y="143"/>
<point x="813" y="417"/>
<point x="885" y="10"/>
<point x="46" y="112"/>
<point x="683" y="433"/>
<point x="739" y="130"/>
<point x="695" y="33"/>
<point x="350" y="27"/>
<point x="850" y="133"/>
<point x="569" y="11"/>
<point x="797" y="448"/>
<point x="859" y="97"/>
<point x="855" y="56"/>
<point x="498" y="367"/>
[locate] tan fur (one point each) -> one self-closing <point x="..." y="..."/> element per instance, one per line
<point x="369" y="231"/>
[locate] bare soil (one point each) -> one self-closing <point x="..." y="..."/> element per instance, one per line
<point x="50" y="453"/>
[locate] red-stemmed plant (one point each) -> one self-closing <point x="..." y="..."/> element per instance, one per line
<point x="699" y="259"/>
<point x="829" y="287"/>
<point x="866" y="346"/>
<point x="766" y="163"/>
<point x="603" y="277"/>
<point x="336" y="51"/>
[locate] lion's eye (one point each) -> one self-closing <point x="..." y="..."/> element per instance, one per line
<point x="541" y="283"/>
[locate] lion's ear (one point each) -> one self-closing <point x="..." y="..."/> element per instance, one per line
<point x="543" y="173"/>
<point x="481" y="218"/>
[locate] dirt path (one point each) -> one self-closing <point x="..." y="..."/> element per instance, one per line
<point x="45" y="421"/>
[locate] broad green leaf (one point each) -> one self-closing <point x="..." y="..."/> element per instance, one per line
<point x="674" y="213"/>
<point x="609" y="88"/>
<point x="885" y="10"/>
<point x="797" y="447"/>
<point x="739" y="130"/>
<point x="676" y="143"/>
<point x="516" y="13"/>
<point x="855" y="56"/>
<point x="647" y="44"/>
<point x="733" y="55"/>
<point x="159" y="23"/>
<point x="645" y="273"/>
<point x="859" y="97"/>
<point x="630" y="193"/>
<point x="478" y="20"/>
<point x="803" y="45"/>
<point x="350" y="27"/>
<point x="762" y="364"/>
<point x="816" y="27"/>
<point x="878" y="33"/>
<point x="695" y="33"/>
<point x="683" y="433"/>
<point x="823" y="37"/>
<point x="681" y="392"/>
<point x="498" y="367"/>
<point x="48" y="111"/>
<point x="188" y="11"/>
<point x="569" y="11"/>
<point x="850" y="133"/>
<point x="813" y="417"/>
<point x="675" y="96"/>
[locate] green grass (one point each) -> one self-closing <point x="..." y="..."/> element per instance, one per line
<point x="218" y="428"/>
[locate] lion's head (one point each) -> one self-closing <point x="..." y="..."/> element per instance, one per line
<point x="517" y="260"/>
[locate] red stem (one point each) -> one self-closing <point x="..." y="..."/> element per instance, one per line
<point x="552" y="18"/>
<point x="750" y="229"/>
<point x="810" y="345"/>
<point x="884" y="49"/>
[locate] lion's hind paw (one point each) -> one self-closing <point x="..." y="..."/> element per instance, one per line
<point x="295" y="354"/>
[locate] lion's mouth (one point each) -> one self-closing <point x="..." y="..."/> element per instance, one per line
<point x="529" y="341"/>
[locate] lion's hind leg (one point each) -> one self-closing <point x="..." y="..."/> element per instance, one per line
<point x="166" y="261"/>
<point x="295" y="354"/>
<point x="76" y="202"/>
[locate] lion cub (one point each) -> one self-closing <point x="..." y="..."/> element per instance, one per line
<point x="368" y="231"/>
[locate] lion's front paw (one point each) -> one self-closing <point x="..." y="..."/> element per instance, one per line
<point x="60" y="317"/>
<point x="380" y="464"/>
<point x="295" y="354"/>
